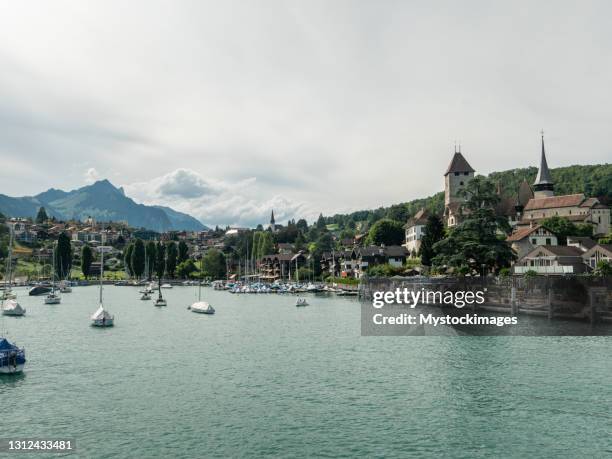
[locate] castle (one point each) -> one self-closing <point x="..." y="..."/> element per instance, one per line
<point x="531" y="204"/>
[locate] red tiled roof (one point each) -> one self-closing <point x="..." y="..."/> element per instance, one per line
<point x="522" y="233"/>
<point x="570" y="200"/>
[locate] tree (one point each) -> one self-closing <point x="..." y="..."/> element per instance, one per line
<point x="562" y="228"/>
<point x="151" y="250"/>
<point x="127" y="259"/>
<point x="86" y="260"/>
<point x="171" y="257"/>
<point x="302" y="225"/>
<point x="604" y="268"/>
<point x="186" y="268"/>
<point x="183" y="252"/>
<point x="160" y="261"/>
<point x="63" y="256"/>
<point x="387" y="232"/>
<point x="474" y="244"/>
<point x="213" y="264"/>
<point x="41" y="216"/>
<point x="321" y="225"/>
<point x="433" y="232"/>
<point x="138" y="258"/>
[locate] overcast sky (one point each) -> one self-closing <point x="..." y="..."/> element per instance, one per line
<point x="227" y="109"/>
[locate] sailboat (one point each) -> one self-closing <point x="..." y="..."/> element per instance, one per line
<point x="52" y="297"/>
<point x="10" y="307"/>
<point x="201" y="307"/>
<point x="102" y="318"/>
<point x="12" y="358"/>
<point x="160" y="301"/>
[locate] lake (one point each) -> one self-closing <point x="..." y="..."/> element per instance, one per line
<point x="264" y="378"/>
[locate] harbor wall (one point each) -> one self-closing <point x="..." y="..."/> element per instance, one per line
<point x="567" y="297"/>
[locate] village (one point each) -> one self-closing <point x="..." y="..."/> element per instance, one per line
<point x="281" y="255"/>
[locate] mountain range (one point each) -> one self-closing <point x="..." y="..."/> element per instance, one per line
<point x="102" y="201"/>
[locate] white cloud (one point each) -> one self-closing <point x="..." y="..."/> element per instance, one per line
<point x="213" y="202"/>
<point x="91" y="175"/>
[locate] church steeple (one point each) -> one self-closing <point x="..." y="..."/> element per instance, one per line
<point x="272" y="218"/>
<point x="543" y="186"/>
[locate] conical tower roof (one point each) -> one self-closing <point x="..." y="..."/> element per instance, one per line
<point x="544" y="177"/>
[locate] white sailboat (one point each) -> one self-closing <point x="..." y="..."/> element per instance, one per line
<point x="10" y="307"/>
<point x="102" y="318"/>
<point x="52" y="297"/>
<point x="201" y="307"/>
<point x="12" y="358"/>
<point x="301" y="302"/>
<point x="160" y="301"/>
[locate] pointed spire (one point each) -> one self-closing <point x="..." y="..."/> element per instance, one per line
<point x="272" y="218"/>
<point x="544" y="176"/>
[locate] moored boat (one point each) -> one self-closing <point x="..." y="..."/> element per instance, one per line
<point x="12" y="358"/>
<point x="202" y="307"/>
<point x="102" y="318"/>
<point x="12" y="308"/>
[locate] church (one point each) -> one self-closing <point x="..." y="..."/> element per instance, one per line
<point x="531" y="204"/>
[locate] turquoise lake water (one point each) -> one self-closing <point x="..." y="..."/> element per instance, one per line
<point x="264" y="378"/>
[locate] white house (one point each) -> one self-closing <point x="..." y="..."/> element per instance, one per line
<point x="414" y="231"/>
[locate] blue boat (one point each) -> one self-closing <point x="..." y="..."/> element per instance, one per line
<point x="12" y="358"/>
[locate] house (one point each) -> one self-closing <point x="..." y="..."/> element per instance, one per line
<point x="281" y="265"/>
<point x="364" y="257"/>
<point x="552" y="259"/>
<point x="285" y="247"/>
<point x="597" y="253"/>
<point x="583" y="243"/>
<point x="414" y="231"/>
<point x="525" y="239"/>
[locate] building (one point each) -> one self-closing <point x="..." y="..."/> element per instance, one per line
<point x="414" y="231"/>
<point x="575" y="207"/>
<point x="361" y="258"/>
<point x="525" y="239"/>
<point x="457" y="176"/>
<point x="529" y="204"/>
<point x="552" y="259"/>
<point x="597" y="253"/>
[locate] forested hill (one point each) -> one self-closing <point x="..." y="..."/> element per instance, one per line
<point x="592" y="180"/>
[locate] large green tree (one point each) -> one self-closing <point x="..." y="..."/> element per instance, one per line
<point x="171" y="258"/>
<point x="213" y="264"/>
<point x="183" y="252"/>
<point x="127" y="259"/>
<point x="160" y="261"/>
<point x="433" y="232"/>
<point x="86" y="260"/>
<point x="186" y="268"/>
<point x="386" y="231"/>
<point x="562" y="227"/>
<point x="138" y="258"/>
<point x="477" y="243"/>
<point x="151" y="250"/>
<point x="63" y="256"/>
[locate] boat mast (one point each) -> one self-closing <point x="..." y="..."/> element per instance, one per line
<point x="101" y="273"/>
<point x="200" y="280"/>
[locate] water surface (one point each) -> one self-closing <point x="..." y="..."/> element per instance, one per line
<point x="264" y="378"/>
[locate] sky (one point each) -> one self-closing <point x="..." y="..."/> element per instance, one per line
<point x="226" y="110"/>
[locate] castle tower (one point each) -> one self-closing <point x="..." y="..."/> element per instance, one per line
<point x="543" y="186"/>
<point x="456" y="177"/>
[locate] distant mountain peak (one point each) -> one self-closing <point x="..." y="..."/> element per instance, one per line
<point x="104" y="202"/>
